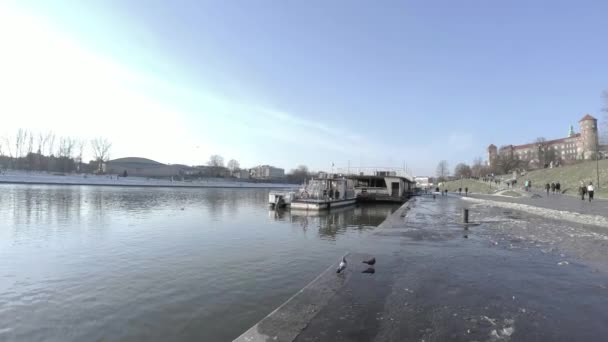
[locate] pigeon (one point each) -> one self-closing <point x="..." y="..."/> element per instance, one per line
<point x="369" y="270"/>
<point x="370" y="262"/>
<point x="342" y="265"/>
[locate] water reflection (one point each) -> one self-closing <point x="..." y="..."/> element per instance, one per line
<point x="146" y="260"/>
<point x="331" y="223"/>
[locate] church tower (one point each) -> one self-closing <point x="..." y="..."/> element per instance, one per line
<point x="589" y="136"/>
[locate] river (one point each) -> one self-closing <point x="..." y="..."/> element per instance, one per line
<point x="85" y="263"/>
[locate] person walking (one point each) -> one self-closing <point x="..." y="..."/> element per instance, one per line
<point x="558" y="188"/>
<point x="590" y="191"/>
<point x="460" y="191"/>
<point x="547" y="187"/>
<point x="466" y="191"/>
<point x="526" y="185"/>
<point x="553" y="187"/>
<point x="582" y="190"/>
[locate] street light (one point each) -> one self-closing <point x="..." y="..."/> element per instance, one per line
<point x="597" y="164"/>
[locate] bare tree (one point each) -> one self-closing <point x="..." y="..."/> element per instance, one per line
<point x="20" y="140"/>
<point x="478" y="169"/>
<point x="216" y="161"/>
<point x="66" y="147"/>
<point x="101" y="151"/>
<point x="443" y="170"/>
<point x="462" y="170"/>
<point x="506" y="163"/>
<point x="50" y="142"/>
<point x="8" y="143"/>
<point x="80" y="144"/>
<point x="299" y="174"/>
<point x="41" y="143"/>
<point x="541" y="150"/>
<point x="233" y="165"/>
<point x="30" y="143"/>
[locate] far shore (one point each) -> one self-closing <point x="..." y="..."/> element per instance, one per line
<point x="41" y="178"/>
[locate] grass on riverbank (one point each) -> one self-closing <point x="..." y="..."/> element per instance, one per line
<point x="476" y="187"/>
<point x="570" y="177"/>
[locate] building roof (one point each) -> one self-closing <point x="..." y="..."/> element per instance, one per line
<point x="587" y="117"/>
<point x="548" y="142"/>
<point x="136" y="160"/>
<point x="492" y="146"/>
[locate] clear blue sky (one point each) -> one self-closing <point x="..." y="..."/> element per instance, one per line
<point x="304" y="82"/>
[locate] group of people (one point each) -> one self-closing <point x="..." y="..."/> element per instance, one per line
<point x="444" y="192"/>
<point x="586" y="190"/>
<point x="553" y="187"/>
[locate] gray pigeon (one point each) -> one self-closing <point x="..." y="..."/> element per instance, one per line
<point x="369" y="270"/>
<point x="342" y="265"/>
<point x="370" y="262"/>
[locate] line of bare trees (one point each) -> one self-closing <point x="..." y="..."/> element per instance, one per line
<point x="27" y="150"/>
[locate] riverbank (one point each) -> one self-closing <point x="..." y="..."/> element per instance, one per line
<point x="22" y="177"/>
<point x="512" y="276"/>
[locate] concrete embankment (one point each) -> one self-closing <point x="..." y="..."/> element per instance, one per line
<point x="288" y="320"/>
<point x="511" y="276"/>
<point x="104" y="180"/>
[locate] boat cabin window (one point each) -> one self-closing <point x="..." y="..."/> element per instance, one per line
<point x="371" y="183"/>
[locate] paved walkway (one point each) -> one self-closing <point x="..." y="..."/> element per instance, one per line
<point x="556" y="202"/>
<point x="513" y="277"/>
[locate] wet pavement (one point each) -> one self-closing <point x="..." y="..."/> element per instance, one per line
<point x="513" y="276"/>
<point x="554" y="201"/>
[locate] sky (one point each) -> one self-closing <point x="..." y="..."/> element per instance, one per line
<point x="359" y="83"/>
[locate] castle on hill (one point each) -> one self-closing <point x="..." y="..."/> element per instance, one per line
<point x="576" y="146"/>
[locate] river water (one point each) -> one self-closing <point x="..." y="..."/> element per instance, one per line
<point x="82" y="263"/>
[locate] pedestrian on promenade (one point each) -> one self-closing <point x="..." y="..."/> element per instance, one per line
<point x="553" y="187"/>
<point x="526" y="185"/>
<point x="547" y="187"/>
<point x="558" y="188"/>
<point x="582" y="190"/>
<point x="460" y="191"/>
<point x="529" y="184"/>
<point x="590" y="191"/>
<point x="466" y="191"/>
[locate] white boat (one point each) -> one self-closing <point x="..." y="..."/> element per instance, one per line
<point x="324" y="194"/>
<point x="281" y="199"/>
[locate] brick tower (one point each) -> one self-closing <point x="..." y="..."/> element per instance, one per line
<point x="589" y="136"/>
<point x="492" y="154"/>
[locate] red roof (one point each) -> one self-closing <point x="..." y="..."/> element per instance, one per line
<point x="587" y="117"/>
<point x="546" y="143"/>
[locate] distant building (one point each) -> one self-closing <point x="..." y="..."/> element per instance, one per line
<point x="212" y="171"/>
<point x="241" y="174"/>
<point x="422" y="182"/>
<point x="267" y="172"/>
<point x="576" y="146"/>
<point x="144" y="167"/>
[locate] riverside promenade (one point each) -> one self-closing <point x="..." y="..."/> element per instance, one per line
<point x="511" y="275"/>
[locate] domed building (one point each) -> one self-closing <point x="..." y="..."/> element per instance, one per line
<point x="144" y="167"/>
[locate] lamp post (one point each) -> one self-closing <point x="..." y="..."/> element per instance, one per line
<point x="597" y="164"/>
